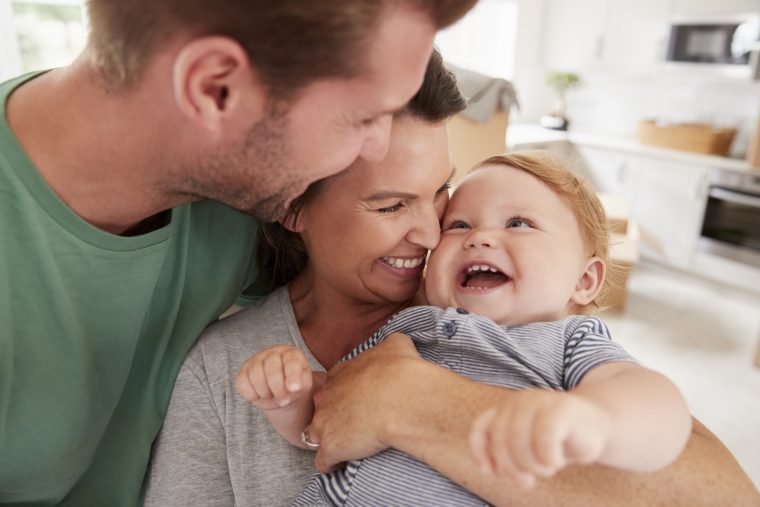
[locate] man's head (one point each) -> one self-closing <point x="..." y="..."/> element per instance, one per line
<point x="290" y="42"/>
<point x="271" y="96"/>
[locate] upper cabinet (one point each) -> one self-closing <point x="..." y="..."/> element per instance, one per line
<point x="575" y="34"/>
<point x="621" y="35"/>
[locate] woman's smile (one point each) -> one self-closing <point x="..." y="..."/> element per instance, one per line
<point x="406" y="267"/>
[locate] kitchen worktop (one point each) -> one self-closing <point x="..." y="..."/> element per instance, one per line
<point x="519" y="135"/>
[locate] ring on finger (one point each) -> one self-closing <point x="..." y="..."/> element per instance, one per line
<point x="307" y="441"/>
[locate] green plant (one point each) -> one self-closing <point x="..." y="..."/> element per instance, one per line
<point x="563" y="81"/>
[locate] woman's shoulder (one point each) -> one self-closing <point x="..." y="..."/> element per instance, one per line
<point x="239" y="336"/>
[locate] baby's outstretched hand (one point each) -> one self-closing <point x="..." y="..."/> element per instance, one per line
<point x="275" y="377"/>
<point x="538" y="433"/>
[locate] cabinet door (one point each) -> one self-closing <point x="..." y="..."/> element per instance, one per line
<point x="606" y="170"/>
<point x="637" y="35"/>
<point x="574" y="39"/>
<point x="668" y="204"/>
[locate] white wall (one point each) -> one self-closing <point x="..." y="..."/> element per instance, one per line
<point x="10" y="59"/>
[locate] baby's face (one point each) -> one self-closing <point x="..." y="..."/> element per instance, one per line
<point x="510" y="250"/>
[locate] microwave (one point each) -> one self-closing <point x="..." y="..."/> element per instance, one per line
<point x="714" y="42"/>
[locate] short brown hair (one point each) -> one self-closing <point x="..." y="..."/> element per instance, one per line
<point x="290" y="42"/>
<point x="281" y="253"/>
<point x="573" y="190"/>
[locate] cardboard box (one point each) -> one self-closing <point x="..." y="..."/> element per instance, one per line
<point x="753" y="148"/>
<point x="695" y="137"/>
<point x="623" y="254"/>
<point x="617" y="209"/>
<point x="472" y="142"/>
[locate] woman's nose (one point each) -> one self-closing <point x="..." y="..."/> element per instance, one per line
<point x="479" y="238"/>
<point x="427" y="230"/>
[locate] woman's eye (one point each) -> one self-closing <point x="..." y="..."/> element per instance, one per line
<point x="444" y="188"/>
<point x="518" y="222"/>
<point x="390" y="209"/>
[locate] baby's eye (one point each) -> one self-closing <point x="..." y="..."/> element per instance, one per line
<point x="391" y="209"/>
<point x="518" y="222"/>
<point x="456" y="224"/>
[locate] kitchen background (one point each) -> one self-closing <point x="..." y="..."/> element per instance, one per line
<point x="678" y="313"/>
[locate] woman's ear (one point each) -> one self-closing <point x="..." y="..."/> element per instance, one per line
<point x="590" y="282"/>
<point x="292" y="222"/>
<point x="214" y="83"/>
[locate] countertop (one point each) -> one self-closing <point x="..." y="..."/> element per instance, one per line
<point x="526" y="134"/>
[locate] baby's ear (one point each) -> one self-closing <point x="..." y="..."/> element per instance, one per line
<point x="590" y="282"/>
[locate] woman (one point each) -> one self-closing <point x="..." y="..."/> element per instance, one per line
<point x="366" y="232"/>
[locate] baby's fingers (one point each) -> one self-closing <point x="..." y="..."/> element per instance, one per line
<point x="274" y="373"/>
<point x="298" y="376"/>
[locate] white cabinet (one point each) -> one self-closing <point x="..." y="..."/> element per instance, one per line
<point x="637" y="36"/>
<point x="668" y="204"/>
<point x="574" y="34"/>
<point x="618" y="35"/>
<point x="667" y="198"/>
<point x="606" y="170"/>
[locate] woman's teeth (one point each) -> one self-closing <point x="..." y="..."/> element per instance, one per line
<point x="399" y="263"/>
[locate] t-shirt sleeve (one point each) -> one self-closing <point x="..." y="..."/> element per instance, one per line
<point x="189" y="460"/>
<point x="588" y="345"/>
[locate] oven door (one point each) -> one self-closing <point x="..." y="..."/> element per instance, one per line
<point x="731" y="226"/>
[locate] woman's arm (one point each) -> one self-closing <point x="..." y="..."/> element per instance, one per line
<point x="388" y="397"/>
<point x="189" y="460"/>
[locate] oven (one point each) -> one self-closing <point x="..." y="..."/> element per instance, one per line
<point x="731" y="223"/>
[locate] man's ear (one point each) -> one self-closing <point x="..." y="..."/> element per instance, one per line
<point x="214" y="84"/>
<point x="590" y="282"/>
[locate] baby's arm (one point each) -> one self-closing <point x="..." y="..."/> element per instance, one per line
<point x="279" y="381"/>
<point x="620" y="415"/>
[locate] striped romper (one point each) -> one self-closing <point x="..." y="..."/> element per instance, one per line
<point x="551" y="355"/>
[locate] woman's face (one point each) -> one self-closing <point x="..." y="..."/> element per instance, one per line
<point x="368" y="231"/>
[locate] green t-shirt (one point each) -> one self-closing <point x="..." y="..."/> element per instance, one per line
<point x="93" y="330"/>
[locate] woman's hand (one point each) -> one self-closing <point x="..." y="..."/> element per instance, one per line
<point x="275" y="377"/>
<point x="351" y="410"/>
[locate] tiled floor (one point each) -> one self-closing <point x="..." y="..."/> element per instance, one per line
<point x="703" y="336"/>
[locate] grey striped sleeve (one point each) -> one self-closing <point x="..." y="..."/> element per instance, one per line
<point x="588" y="345"/>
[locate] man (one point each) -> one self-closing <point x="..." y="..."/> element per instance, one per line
<point x="122" y="182"/>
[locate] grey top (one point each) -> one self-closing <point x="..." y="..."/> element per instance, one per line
<point x="215" y="448"/>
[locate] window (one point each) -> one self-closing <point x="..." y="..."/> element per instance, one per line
<point x="40" y="34"/>
<point x="484" y="40"/>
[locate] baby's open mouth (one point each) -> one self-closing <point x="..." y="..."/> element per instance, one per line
<point x="482" y="276"/>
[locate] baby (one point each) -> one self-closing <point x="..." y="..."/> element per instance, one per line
<point x="522" y="258"/>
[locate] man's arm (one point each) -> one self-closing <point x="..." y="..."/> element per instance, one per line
<point x="389" y="397"/>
